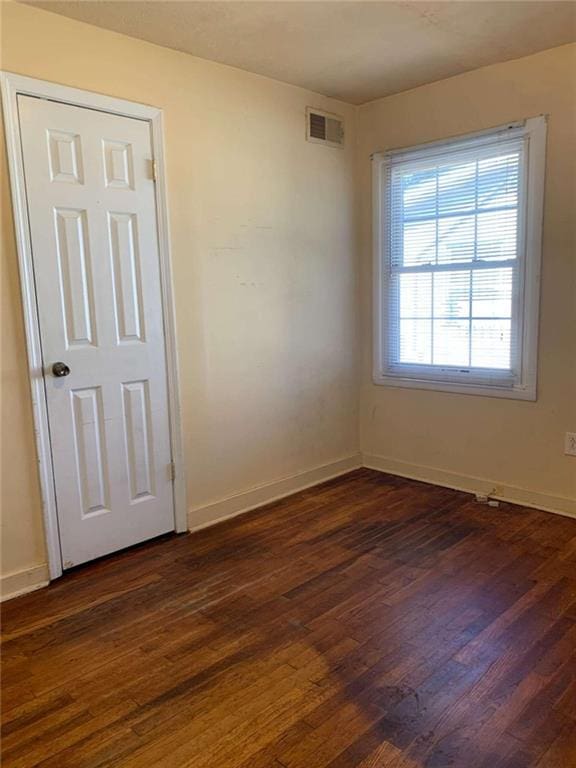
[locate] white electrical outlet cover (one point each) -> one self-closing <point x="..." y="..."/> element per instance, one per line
<point x="570" y="444"/>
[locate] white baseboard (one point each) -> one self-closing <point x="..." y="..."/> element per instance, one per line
<point x="560" y="505"/>
<point x="20" y="582"/>
<point x="231" y="506"/>
<point x="29" y="579"/>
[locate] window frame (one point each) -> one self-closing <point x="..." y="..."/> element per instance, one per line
<point x="528" y="284"/>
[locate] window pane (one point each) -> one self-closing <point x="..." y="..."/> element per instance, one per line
<point x="451" y="342"/>
<point x="492" y="292"/>
<point x="419" y="193"/>
<point x="497" y="235"/>
<point x="498" y="179"/>
<point x="415" y="341"/>
<point x="452" y="294"/>
<point x="419" y="243"/>
<point x="451" y="225"/>
<point x="457" y="187"/>
<point x="456" y="239"/>
<point x="415" y="295"/>
<point x="491" y="343"/>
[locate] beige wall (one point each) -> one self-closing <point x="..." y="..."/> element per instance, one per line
<point x="21" y="520"/>
<point x="263" y="233"/>
<point x="263" y="243"/>
<point x="442" y="436"/>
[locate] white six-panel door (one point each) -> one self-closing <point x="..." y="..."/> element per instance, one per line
<point x="91" y="201"/>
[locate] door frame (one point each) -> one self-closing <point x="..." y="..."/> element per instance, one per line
<point x="13" y="85"/>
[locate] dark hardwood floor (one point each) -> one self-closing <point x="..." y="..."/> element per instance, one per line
<point x="371" y="621"/>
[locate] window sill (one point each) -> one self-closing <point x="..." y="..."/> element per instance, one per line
<point x="460" y="388"/>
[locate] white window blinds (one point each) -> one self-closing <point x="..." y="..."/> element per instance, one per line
<point x="452" y="250"/>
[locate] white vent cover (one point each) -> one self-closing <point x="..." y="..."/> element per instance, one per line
<point x="324" y="128"/>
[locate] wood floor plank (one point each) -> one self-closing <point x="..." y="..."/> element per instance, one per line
<point x="370" y="622"/>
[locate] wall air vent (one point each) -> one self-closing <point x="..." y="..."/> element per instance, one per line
<point x="324" y="128"/>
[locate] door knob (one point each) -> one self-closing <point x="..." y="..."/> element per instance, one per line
<point x="60" y="369"/>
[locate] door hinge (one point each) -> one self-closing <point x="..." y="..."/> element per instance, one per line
<point x="172" y="470"/>
<point x="154" y="171"/>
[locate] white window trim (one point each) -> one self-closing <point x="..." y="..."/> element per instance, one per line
<point x="526" y="389"/>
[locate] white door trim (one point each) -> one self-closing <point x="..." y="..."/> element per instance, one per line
<point x="12" y="85"/>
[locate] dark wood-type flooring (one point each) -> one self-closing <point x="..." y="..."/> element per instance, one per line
<point x="371" y="621"/>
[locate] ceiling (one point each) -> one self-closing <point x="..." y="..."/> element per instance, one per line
<point x="354" y="51"/>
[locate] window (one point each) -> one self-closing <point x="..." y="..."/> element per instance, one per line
<point x="457" y="262"/>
